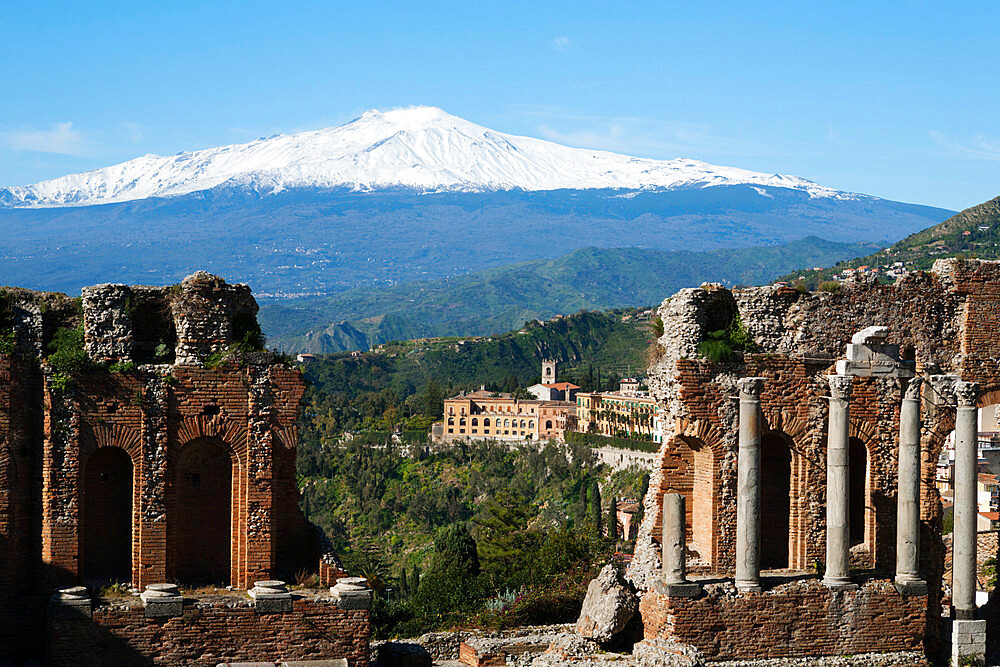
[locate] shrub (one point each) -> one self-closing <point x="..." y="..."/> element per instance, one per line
<point x="67" y="353"/>
<point x="721" y="346"/>
<point x="831" y="286"/>
<point x="7" y="341"/>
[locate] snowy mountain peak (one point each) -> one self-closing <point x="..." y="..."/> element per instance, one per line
<point x="422" y="147"/>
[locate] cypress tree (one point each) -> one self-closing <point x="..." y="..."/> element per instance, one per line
<point x="595" y="506"/>
<point x="404" y="585"/>
<point x="613" y="521"/>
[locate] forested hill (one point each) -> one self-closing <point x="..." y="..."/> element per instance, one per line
<point x="405" y="382"/>
<point x="501" y="298"/>
<point x="974" y="232"/>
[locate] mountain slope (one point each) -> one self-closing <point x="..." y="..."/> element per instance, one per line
<point x="420" y="147"/>
<point x="974" y="232"/>
<point x="503" y="298"/>
<point x="312" y="241"/>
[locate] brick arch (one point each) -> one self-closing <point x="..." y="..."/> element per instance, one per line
<point x="701" y="430"/>
<point x="990" y="397"/>
<point x="7" y="472"/>
<point x="93" y="436"/>
<point x="233" y="438"/>
<point x="688" y="464"/>
<point x="287" y="436"/>
<point x="231" y="434"/>
<point x="787" y="423"/>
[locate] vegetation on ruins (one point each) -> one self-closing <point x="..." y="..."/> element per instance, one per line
<point x="721" y="346"/>
<point x="475" y="534"/>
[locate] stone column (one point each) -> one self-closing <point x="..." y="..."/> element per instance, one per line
<point x="908" y="580"/>
<point x="674" y="543"/>
<point x="838" y="498"/>
<point x="966" y="458"/>
<point x="748" y="486"/>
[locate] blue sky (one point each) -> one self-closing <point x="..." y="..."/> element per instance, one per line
<point x="895" y="99"/>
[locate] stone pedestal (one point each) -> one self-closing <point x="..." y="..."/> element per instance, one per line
<point x="71" y="601"/>
<point x="838" y="498"/>
<point x="968" y="642"/>
<point x="748" y="487"/>
<point x="352" y="593"/>
<point x="908" y="580"/>
<point x="674" y="541"/>
<point x="271" y="597"/>
<point x="162" y="601"/>
<point x="966" y="507"/>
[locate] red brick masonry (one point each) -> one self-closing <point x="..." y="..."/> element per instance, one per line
<point x="208" y="635"/>
<point x="797" y="619"/>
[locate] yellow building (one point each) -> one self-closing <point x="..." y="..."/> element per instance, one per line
<point x="485" y="415"/>
<point x="627" y="413"/>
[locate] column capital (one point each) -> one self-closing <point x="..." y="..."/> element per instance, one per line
<point x="911" y="388"/>
<point x="840" y="386"/>
<point x="751" y="386"/>
<point x="966" y="393"/>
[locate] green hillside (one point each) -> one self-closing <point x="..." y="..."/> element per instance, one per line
<point x="500" y="299"/>
<point x="975" y="232"/>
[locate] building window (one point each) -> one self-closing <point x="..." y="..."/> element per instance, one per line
<point x="451" y="430"/>
<point x="486" y="422"/>
<point x="474" y="431"/>
<point x="461" y="430"/>
<point x="506" y="422"/>
<point x="475" y="422"/>
<point x="548" y="424"/>
<point x="451" y="409"/>
<point x="522" y="423"/>
<point x="461" y="422"/>
<point x="531" y="424"/>
<point x="451" y="421"/>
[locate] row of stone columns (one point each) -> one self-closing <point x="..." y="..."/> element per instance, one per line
<point x="837" y="575"/>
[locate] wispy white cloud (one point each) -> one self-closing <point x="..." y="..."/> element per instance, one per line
<point x="133" y="131"/>
<point x="61" y="139"/>
<point x="980" y="147"/>
<point x="562" y="43"/>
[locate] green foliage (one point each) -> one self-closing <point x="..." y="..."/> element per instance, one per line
<point x="721" y="346"/>
<point x="458" y="526"/>
<point x="595" y="440"/>
<point x="66" y="351"/>
<point x="7" y="341"/>
<point x="832" y="286"/>
<point x="121" y="367"/>
<point x="60" y="381"/>
<point x="162" y="351"/>
<point x="989" y="572"/>
<point x="247" y="335"/>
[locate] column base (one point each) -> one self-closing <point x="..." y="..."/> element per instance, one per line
<point x="968" y="642"/>
<point x="839" y="584"/>
<point x="963" y="614"/>
<point x="911" y="586"/>
<point x="748" y="586"/>
<point x="686" y="589"/>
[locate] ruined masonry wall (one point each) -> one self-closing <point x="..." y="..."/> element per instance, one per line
<point x="224" y="632"/>
<point x="800" y="619"/>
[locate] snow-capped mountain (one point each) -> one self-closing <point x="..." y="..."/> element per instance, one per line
<point x="422" y="148"/>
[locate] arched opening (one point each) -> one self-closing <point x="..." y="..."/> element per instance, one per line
<point x="203" y="481"/>
<point x="858" y="484"/>
<point x="689" y="469"/>
<point x="106" y="517"/>
<point x="775" y="476"/>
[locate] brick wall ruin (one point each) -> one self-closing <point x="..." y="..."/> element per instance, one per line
<point x="164" y="451"/>
<point x="945" y="321"/>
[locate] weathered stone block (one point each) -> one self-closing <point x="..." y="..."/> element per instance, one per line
<point x="271" y="597"/>
<point x="352" y="593"/>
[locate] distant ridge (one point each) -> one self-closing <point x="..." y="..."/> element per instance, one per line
<point x="502" y="298"/>
<point x="974" y="232"/>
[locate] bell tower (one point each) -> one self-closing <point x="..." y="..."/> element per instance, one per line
<point x="548" y="371"/>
